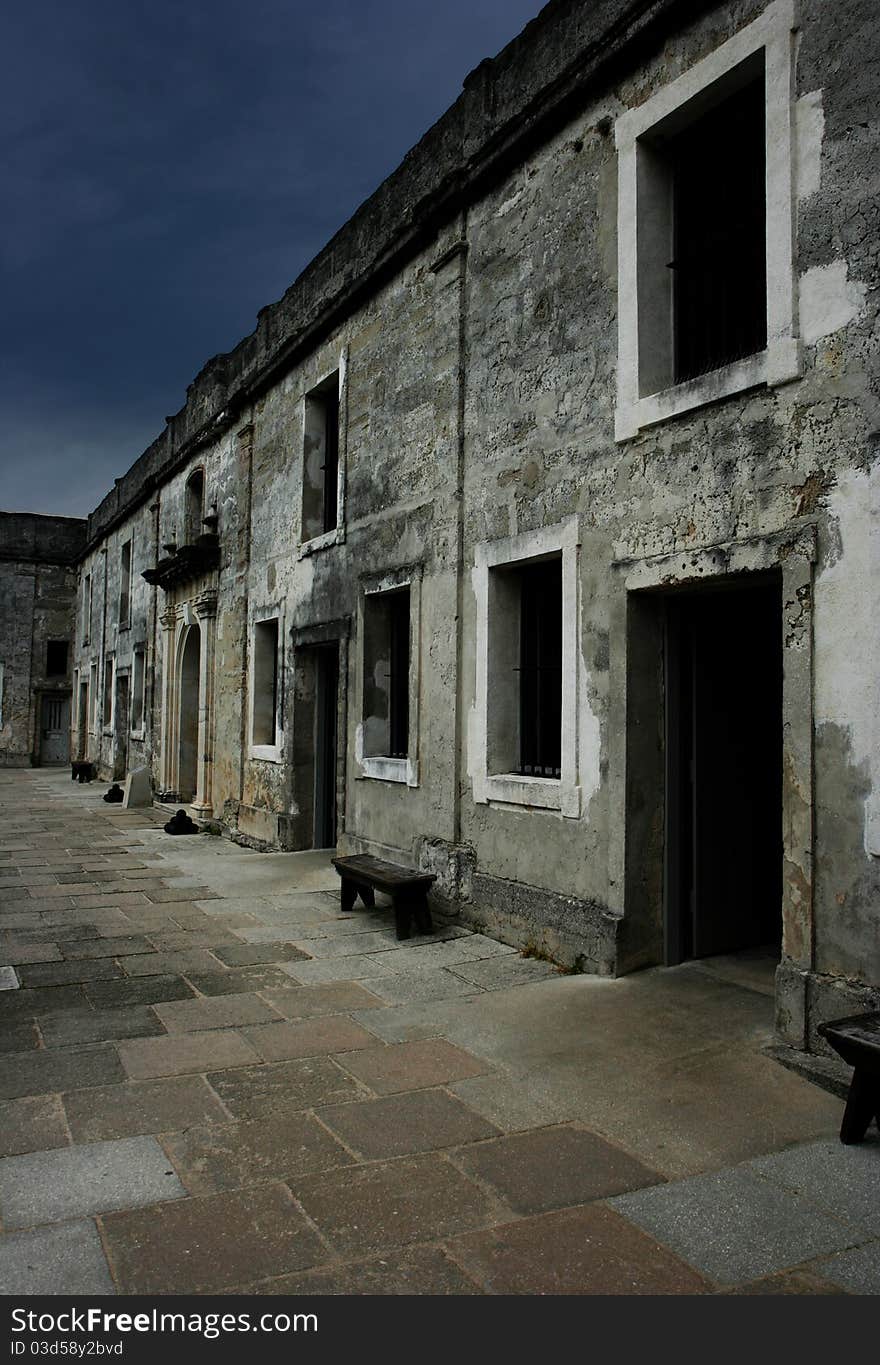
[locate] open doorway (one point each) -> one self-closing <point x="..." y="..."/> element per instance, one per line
<point x="326" y="710"/>
<point x="188" y="733"/>
<point x="723" y="770"/>
<point x="318" y="770"/>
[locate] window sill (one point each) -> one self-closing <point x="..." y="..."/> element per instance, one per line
<point x="778" y="364"/>
<point x="542" y="793"/>
<point x="322" y="542"/>
<point x="402" y="770"/>
<point x="123" y="625"/>
<point x="266" y="753"/>
<point x="137" y="734"/>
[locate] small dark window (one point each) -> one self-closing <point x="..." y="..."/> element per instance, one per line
<point x="195" y="506"/>
<point x="719" y="264"/>
<point x="124" y="583"/>
<point x="56" y="658"/>
<point x="321" y="459"/>
<point x="265" y="665"/>
<point x="540" y="669"/>
<point x="386" y="674"/>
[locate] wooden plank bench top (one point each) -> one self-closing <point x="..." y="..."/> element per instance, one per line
<point x="857" y="1040"/>
<point x="361" y="874"/>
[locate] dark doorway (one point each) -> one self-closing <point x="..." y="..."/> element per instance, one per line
<point x="122" y="717"/>
<point x="82" y="726"/>
<point x="187" y="765"/>
<point x="723" y="682"/>
<point x="326" y="711"/>
<point x="55" y="730"/>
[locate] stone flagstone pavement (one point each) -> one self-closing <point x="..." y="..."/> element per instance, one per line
<point x="213" y="1081"/>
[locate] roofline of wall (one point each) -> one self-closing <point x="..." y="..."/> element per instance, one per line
<point x="486" y="146"/>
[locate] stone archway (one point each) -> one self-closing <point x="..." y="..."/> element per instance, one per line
<point x="188" y="723"/>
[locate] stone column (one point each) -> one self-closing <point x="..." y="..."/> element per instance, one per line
<point x="206" y="609"/>
<point x="168" y="760"/>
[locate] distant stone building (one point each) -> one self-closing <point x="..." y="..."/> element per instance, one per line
<point x="532" y="537"/>
<point x="38" y="587"/>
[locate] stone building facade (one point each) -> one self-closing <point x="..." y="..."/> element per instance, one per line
<point x="38" y="585"/>
<point x="532" y="536"/>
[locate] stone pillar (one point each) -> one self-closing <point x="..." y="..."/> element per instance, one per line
<point x="206" y="609"/>
<point x="168" y="760"/>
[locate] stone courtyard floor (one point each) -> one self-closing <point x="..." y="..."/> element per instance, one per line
<point x="213" y="1081"/>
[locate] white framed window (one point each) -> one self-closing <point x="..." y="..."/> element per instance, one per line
<point x="138" y="678"/>
<point x="107" y="711"/>
<point x="93" y="698"/>
<point x="323" y="463"/>
<point x="706" y="287"/>
<point x="523" y="740"/>
<point x="87" y="608"/>
<point x="125" y="584"/>
<point x="389" y="630"/>
<point x="266" y="690"/>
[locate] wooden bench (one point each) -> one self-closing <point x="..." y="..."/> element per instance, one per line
<point x="362" y="875"/>
<point x="857" y="1039"/>
<point x="81" y="771"/>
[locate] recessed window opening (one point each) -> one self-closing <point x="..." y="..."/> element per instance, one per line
<point x="124" y="583"/>
<point x="56" y="658"/>
<point x="93" y="695"/>
<point x="87" y="607"/>
<point x="540" y="669"/>
<point x="265" y="682"/>
<point x="386" y="673"/>
<point x="194" y="506"/>
<point x="719" y="268"/>
<point x="321" y="459"/>
<point x="108" y="690"/>
<point x="137" y="691"/>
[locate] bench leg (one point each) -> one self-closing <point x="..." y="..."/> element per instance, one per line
<point x="348" y="895"/>
<point x="863" y="1104"/>
<point x="402" y="918"/>
<point x="367" y="896"/>
<point x="423" y="915"/>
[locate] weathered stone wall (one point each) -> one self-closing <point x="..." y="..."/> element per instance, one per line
<point x="471" y="307"/>
<point x="38" y="583"/>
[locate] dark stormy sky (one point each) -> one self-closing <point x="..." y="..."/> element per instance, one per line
<point x="167" y="168"/>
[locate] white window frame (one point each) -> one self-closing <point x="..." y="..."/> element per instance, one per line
<point x="561" y="794"/>
<point x="335" y="536"/>
<point x="406" y="771"/>
<point x="94" y="698"/>
<point x="108" y="725"/>
<point x="267" y="753"/>
<point x="781" y="361"/>
<point x="124" y="622"/>
<point x="138" y="732"/>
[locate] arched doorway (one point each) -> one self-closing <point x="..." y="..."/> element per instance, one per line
<point x="188" y="742"/>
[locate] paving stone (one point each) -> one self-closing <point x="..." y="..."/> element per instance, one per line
<point x="138" y="1107"/>
<point x="414" y="1270"/>
<point x="178" y="963"/>
<point x="118" y="945"/>
<point x="513" y="1104"/>
<point x="108" y="900"/>
<point x="20" y="953"/>
<point x="845" y="1180"/>
<point x="789" y="1282"/>
<point x="68" y="889"/>
<point x="281" y="1147"/>
<point x="345" y="946"/>
<point x="589" y="1250"/>
<point x="174" y="1055"/>
<point x="8" y="979"/>
<point x="210" y="1243"/>
<point x="177" y="940"/>
<point x="434" y="983"/>
<point x="48" y="1187"/>
<point x="402" y="1125"/>
<point x="365" y="1209"/>
<point x="498" y="973"/>
<point x="65" y="1259"/>
<point x="69" y="973"/>
<point x="97" y="1026"/>
<point x="191" y="893"/>
<point x="39" y="1073"/>
<point x="733" y="1226"/>
<point x="18" y="1004"/>
<point x="359" y="967"/>
<point x="239" y="980"/>
<point x="220" y="1011"/>
<point x="271" y="933"/>
<point x="255" y="1092"/>
<point x="144" y="990"/>
<point x="856" y="1270"/>
<point x="335" y="997"/>
<point x="412" y="1066"/>
<point x="19" y="1036"/>
<point x="552" y="1168"/>
<point x="32" y="1124"/>
<point x="308" y="1038"/>
<point x="249" y="954"/>
<point x="60" y="933"/>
